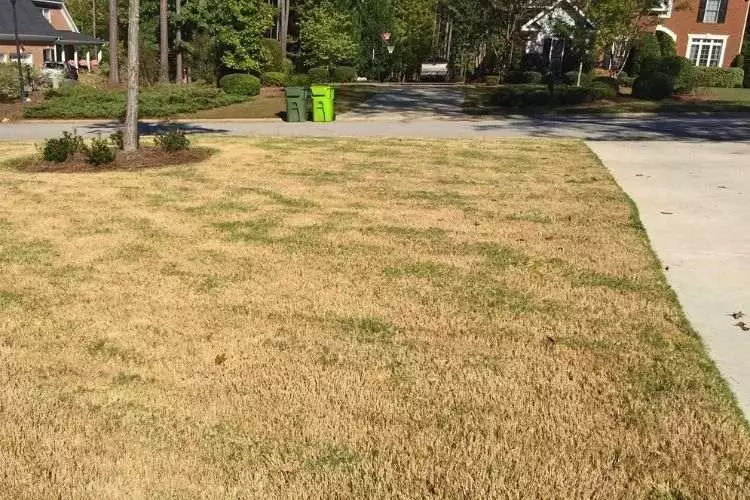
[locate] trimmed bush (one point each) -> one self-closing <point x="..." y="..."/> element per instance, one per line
<point x="273" y="79"/>
<point x="272" y="55"/>
<point x="298" y="80"/>
<point x="240" y="84"/>
<point x="319" y="75"/>
<point x="647" y="47"/>
<point x="288" y="67"/>
<point x="63" y="148"/>
<point x="683" y="72"/>
<point x="492" y="80"/>
<point x="653" y="86"/>
<point x="719" y="77"/>
<point x="604" y="87"/>
<point x="523" y="77"/>
<point x="171" y="140"/>
<point x="344" y="74"/>
<point x="738" y="61"/>
<point x="571" y="78"/>
<point x="667" y="46"/>
<point x="525" y="95"/>
<point x="100" y="152"/>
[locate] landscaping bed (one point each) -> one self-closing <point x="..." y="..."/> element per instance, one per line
<point x="351" y="318"/>
<point x="161" y="101"/>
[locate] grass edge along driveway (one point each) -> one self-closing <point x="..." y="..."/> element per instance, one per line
<point x="359" y="318"/>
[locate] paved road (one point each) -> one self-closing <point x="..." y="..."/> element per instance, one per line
<point x="408" y="103"/>
<point x="694" y="201"/>
<point x="594" y="128"/>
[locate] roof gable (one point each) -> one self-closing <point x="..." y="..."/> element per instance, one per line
<point x="31" y="23"/>
<point x="560" y="11"/>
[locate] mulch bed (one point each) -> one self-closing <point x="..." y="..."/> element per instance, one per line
<point x="144" y="158"/>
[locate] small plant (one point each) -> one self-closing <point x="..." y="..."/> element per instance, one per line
<point x="62" y="149"/>
<point x="100" y="152"/>
<point x="344" y="74"/>
<point x="117" y="139"/>
<point x="173" y="139"/>
<point x="273" y="79"/>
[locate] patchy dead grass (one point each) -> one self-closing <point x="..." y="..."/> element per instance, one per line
<point x="312" y="318"/>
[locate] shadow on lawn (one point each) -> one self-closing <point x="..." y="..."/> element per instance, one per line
<point x="659" y="127"/>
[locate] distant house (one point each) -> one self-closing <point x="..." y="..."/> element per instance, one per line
<point x="47" y="33"/>
<point x="708" y="32"/>
<point x="544" y="41"/>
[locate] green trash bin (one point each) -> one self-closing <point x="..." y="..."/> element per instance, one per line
<point x="296" y="104"/>
<point x="322" y="99"/>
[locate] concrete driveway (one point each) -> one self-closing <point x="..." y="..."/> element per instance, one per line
<point x="410" y="103"/>
<point x="694" y="200"/>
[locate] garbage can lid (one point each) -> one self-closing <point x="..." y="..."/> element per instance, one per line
<point x="321" y="90"/>
<point x="295" y="91"/>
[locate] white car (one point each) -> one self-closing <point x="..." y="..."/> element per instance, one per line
<point x="435" y="68"/>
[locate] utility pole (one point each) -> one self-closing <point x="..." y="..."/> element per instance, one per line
<point x="93" y="18"/>
<point x="164" y="42"/>
<point x="21" y="89"/>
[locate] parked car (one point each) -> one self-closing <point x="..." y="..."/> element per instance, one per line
<point x="54" y="71"/>
<point x="434" y="68"/>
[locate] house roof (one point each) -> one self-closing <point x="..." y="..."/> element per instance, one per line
<point x="546" y="9"/>
<point x="33" y="27"/>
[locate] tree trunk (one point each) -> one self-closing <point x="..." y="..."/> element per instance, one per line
<point x="164" y="43"/>
<point x="130" y="135"/>
<point x="114" y="45"/>
<point x="178" y="43"/>
<point x="284" y="32"/>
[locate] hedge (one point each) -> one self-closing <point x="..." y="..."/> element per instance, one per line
<point x="240" y="84"/>
<point x="273" y="79"/>
<point x="319" y="75"/>
<point x="525" y="95"/>
<point x="298" y="80"/>
<point x="719" y="77"/>
<point x="344" y="74"/>
<point x="522" y="77"/>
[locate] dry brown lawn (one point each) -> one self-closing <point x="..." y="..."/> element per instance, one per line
<point x="349" y="319"/>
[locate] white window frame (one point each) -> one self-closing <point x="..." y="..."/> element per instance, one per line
<point x="665" y="11"/>
<point x="723" y="38"/>
<point x="718" y="12"/>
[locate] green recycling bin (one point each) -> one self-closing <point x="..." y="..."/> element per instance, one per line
<point x="296" y="104"/>
<point x="322" y="99"/>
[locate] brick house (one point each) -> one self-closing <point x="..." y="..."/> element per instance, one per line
<point x="708" y="32"/>
<point x="47" y="33"/>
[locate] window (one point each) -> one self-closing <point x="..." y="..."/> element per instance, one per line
<point x="46" y="14"/>
<point x="711" y="14"/>
<point x="706" y="51"/>
<point x="664" y="8"/>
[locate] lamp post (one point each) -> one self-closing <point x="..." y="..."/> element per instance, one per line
<point x="21" y="90"/>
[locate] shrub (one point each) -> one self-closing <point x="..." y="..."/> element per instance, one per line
<point x="682" y="70"/>
<point x="738" y="61"/>
<point x="298" y="80"/>
<point x="273" y="79"/>
<point x="100" y="152"/>
<point x="117" y="139"/>
<point x="647" y="47"/>
<point x="240" y="84"/>
<point x="319" y="75"/>
<point x="288" y="67"/>
<point x="272" y="55"/>
<point x="344" y="74"/>
<point x="523" y="77"/>
<point x="571" y="78"/>
<point x="171" y="140"/>
<point x="524" y="95"/>
<point x="603" y="87"/>
<point x="625" y="80"/>
<point x="667" y="46"/>
<point x="532" y="77"/>
<point x="63" y="148"/>
<point x="9" y="84"/>
<point x="719" y="77"/>
<point x="653" y="86"/>
<point x="492" y="80"/>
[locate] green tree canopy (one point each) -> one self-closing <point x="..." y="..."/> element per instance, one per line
<point x="326" y="36"/>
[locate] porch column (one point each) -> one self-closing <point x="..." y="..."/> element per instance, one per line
<point x="75" y="56"/>
<point x="88" y="60"/>
<point x="54" y="52"/>
<point x="62" y="54"/>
